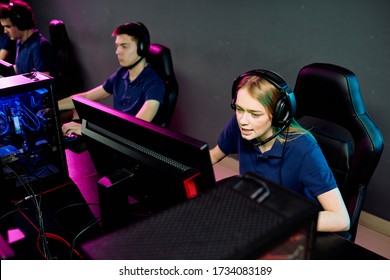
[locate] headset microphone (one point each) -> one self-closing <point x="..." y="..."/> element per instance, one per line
<point x="265" y="141"/>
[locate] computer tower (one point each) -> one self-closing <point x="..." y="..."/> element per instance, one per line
<point x="31" y="145"/>
<point x="244" y="217"/>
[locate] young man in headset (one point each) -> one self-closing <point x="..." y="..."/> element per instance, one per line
<point x="33" y="50"/>
<point x="136" y="87"/>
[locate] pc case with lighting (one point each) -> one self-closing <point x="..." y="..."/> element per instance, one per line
<point x="31" y="148"/>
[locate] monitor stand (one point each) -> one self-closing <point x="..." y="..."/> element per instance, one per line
<point x="113" y="199"/>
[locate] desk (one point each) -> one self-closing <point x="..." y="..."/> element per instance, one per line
<point x="330" y="246"/>
<point x="327" y="246"/>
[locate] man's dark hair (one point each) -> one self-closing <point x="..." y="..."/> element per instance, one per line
<point x="20" y="14"/>
<point x="140" y="34"/>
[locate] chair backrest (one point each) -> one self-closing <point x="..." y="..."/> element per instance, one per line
<point x="330" y="105"/>
<point x="160" y="59"/>
<point x="68" y="71"/>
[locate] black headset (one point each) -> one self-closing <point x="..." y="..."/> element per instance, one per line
<point x="21" y="16"/>
<point x="138" y="30"/>
<point x="285" y="107"/>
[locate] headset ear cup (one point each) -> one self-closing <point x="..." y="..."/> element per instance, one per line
<point x="283" y="113"/>
<point x="234" y="96"/>
<point x="234" y="90"/>
<point x="15" y="18"/>
<point x="143" y="40"/>
<point x="140" y="48"/>
<point x="279" y="113"/>
<point x="233" y="104"/>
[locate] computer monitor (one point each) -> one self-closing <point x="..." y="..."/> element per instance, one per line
<point x="140" y="161"/>
<point x="6" y="69"/>
<point x="31" y="147"/>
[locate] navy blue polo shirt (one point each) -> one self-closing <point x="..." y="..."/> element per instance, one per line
<point x="299" y="166"/>
<point x="128" y="96"/>
<point x="7" y="44"/>
<point x="34" y="54"/>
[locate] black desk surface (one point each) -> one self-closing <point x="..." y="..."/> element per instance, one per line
<point x="330" y="246"/>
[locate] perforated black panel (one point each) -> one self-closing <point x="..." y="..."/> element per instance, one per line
<point x="220" y="224"/>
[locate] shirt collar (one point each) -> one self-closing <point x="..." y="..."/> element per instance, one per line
<point x="276" y="150"/>
<point x="141" y="75"/>
<point x="32" y="37"/>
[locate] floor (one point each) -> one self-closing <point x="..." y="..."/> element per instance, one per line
<point x="373" y="240"/>
<point x="373" y="233"/>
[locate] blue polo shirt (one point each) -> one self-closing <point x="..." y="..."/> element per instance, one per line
<point x="34" y="54"/>
<point x="7" y="44"/>
<point x="299" y="166"/>
<point x="128" y="96"/>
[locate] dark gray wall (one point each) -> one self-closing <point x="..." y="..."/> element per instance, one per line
<point x="213" y="41"/>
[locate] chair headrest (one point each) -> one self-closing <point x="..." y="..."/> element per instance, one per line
<point x="160" y="58"/>
<point x="329" y="92"/>
<point x="58" y="34"/>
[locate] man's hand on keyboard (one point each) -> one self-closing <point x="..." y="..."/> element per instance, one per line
<point x="71" y="128"/>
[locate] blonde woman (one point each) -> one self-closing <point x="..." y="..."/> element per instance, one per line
<point x="269" y="141"/>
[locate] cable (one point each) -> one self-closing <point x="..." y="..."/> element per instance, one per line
<point x="43" y="237"/>
<point x="281" y="161"/>
<point x="32" y="117"/>
<point x="70" y="206"/>
<point x="33" y="196"/>
<point x="40" y="194"/>
<point x="88" y="226"/>
<point x="9" y="213"/>
<point x="62" y="240"/>
<point x="44" y="251"/>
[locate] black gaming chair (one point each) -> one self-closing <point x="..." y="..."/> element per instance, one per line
<point x="160" y="59"/>
<point x="330" y="105"/>
<point x="68" y="71"/>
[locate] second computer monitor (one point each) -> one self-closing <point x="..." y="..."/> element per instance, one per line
<point x="155" y="166"/>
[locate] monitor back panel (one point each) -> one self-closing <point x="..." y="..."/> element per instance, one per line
<point x="227" y="222"/>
